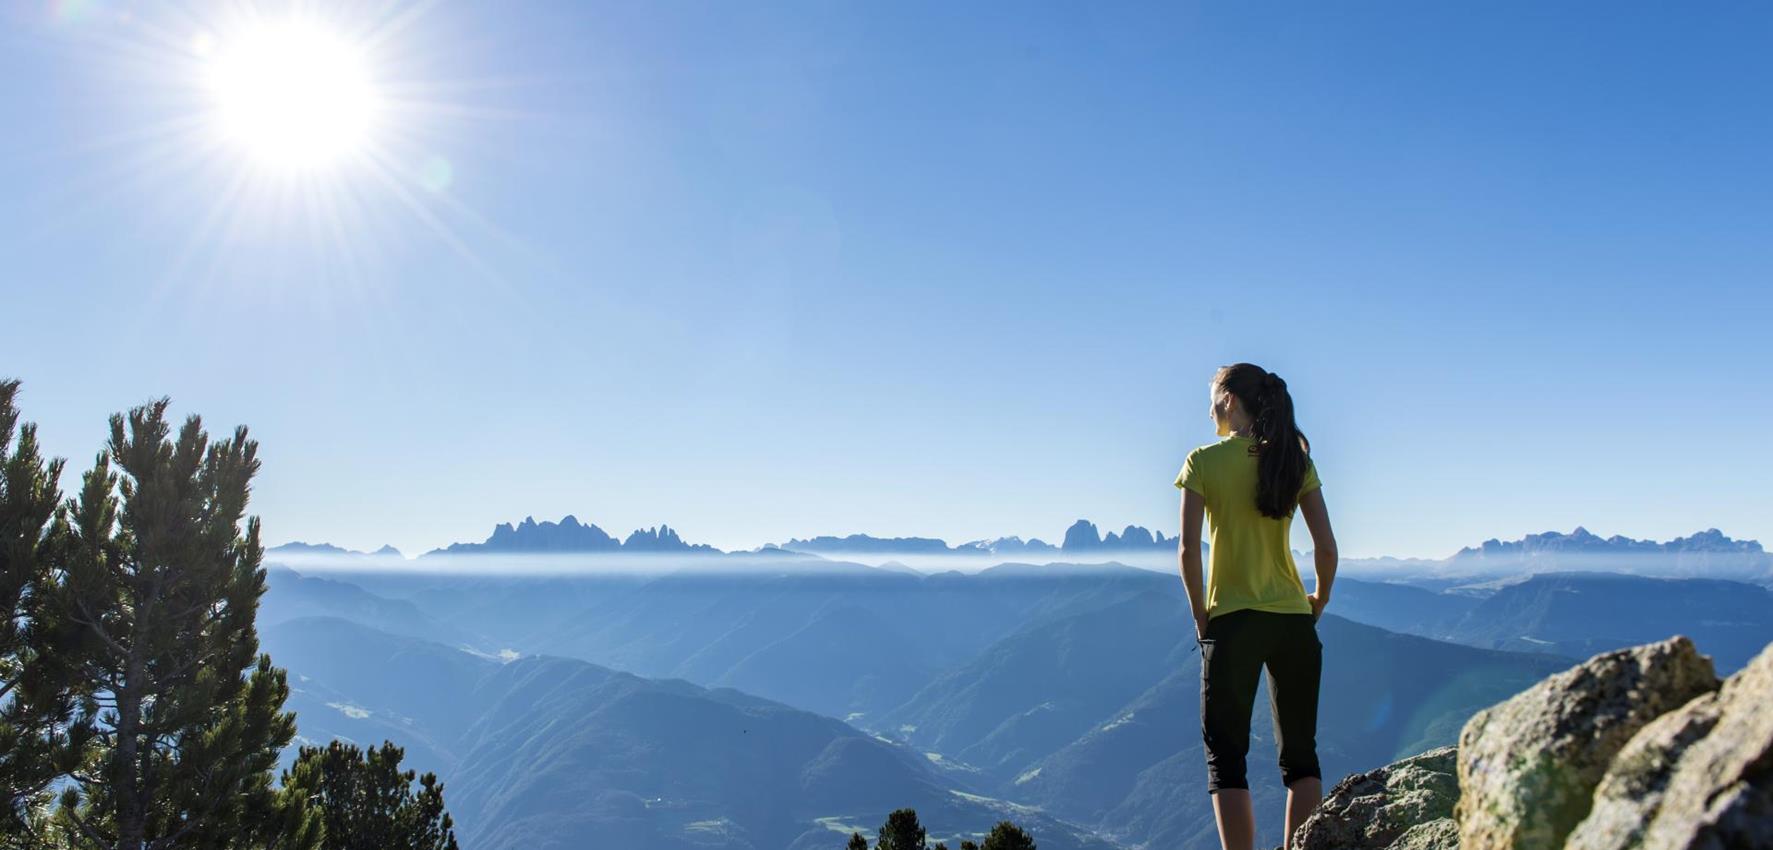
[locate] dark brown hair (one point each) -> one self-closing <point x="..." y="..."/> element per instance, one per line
<point x="1283" y="453"/>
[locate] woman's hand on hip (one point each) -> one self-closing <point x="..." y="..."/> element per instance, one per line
<point x="1317" y="604"/>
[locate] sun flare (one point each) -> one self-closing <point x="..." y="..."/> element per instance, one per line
<point x="326" y="129"/>
<point x="291" y="94"/>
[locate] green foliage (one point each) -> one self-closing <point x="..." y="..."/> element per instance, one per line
<point x="43" y="729"/>
<point x="368" y="801"/>
<point x="902" y="832"/>
<point x="1008" y="836"/>
<point x="164" y="587"/>
<point x="136" y="712"/>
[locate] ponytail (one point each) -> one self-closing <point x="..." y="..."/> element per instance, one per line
<point x="1283" y="453"/>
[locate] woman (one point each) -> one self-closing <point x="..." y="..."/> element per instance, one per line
<point x="1254" y="611"/>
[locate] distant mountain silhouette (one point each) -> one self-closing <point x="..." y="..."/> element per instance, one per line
<point x="865" y="544"/>
<point x="310" y="549"/>
<point x="570" y="536"/>
<point x="1010" y="546"/>
<point x="1081" y="538"/>
<point x="1709" y="553"/>
<point x="327" y="550"/>
<point x="1710" y="541"/>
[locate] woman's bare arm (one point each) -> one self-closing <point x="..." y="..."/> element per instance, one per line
<point x="1188" y="553"/>
<point x="1323" y="546"/>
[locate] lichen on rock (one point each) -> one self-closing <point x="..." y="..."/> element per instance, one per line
<point x="1408" y="804"/>
<point x="1528" y="767"/>
<point x="1698" y="777"/>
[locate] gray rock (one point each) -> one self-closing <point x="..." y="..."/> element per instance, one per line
<point x="1407" y="804"/>
<point x="1528" y="767"/>
<point x="1442" y="834"/>
<point x="1697" y="778"/>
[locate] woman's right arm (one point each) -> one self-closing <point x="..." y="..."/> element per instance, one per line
<point x="1323" y="546"/>
<point x="1188" y="552"/>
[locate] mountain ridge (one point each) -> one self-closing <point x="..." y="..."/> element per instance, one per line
<point x="570" y="535"/>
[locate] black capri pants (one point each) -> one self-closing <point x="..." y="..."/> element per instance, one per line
<point x="1238" y="644"/>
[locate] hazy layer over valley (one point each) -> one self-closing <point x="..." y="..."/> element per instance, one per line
<point x="672" y="695"/>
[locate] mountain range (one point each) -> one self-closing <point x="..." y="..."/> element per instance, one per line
<point x="1081" y="537"/>
<point x="1710" y="541"/>
<point x="1058" y="692"/>
<point x="1708" y="553"/>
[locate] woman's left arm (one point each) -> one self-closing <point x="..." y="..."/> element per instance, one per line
<point x="1323" y="547"/>
<point x="1188" y="553"/>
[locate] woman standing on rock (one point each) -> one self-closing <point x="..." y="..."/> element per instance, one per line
<point x="1254" y="611"/>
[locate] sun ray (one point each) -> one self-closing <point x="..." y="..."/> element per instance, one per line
<point x="439" y="228"/>
<point x="398" y="22"/>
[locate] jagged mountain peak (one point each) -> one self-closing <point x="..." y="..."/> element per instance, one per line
<point x="1581" y="539"/>
<point x="570" y="535"/>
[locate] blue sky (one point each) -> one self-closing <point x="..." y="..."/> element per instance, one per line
<point x="963" y="270"/>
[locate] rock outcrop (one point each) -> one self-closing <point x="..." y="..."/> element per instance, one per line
<point x="1528" y="767"/>
<point x="1631" y="750"/>
<point x="1408" y="804"/>
<point x="1696" y="778"/>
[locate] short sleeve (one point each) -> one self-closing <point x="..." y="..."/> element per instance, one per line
<point x="1191" y="477"/>
<point x="1311" y="482"/>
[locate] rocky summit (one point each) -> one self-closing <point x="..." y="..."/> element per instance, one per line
<point x="1636" y="748"/>
<point x="1700" y="776"/>
<point x="1408" y="804"/>
<point x="1528" y="767"/>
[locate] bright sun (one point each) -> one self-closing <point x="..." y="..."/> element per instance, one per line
<point x="291" y="94"/>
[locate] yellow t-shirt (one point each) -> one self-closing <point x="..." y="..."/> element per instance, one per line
<point x="1251" y="561"/>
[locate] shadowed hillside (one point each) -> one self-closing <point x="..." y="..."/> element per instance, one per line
<point x="1580" y="614"/>
<point x="554" y="753"/>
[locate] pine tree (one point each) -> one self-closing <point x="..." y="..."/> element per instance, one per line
<point x="968" y="845"/>
<point x="167" y="588"/>
<point x="43" y="732"/>
<point x="1008" y="836"/>
<point x="902" y="832"/>
<point x="857" y="842"/>
<point x="367" y="802"/>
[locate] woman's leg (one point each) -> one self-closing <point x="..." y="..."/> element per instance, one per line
<point x="1236" y="817"/>
<point x="1302" y="799"/>
<point x="1294" y="672"/>
<point x="1231" y="669"/>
